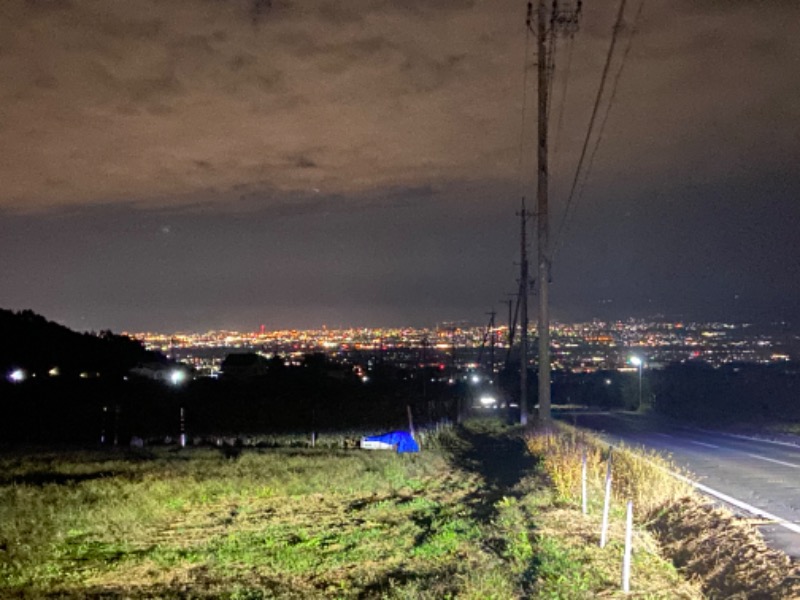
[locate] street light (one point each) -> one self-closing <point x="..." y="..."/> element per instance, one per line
<point x="177" y="377"/>
<point x="637" y="362"/>
<point x="17" y="376"/>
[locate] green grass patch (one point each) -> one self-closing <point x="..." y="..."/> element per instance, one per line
<point x="476" y="518"/>
<point x="269" y="523"/>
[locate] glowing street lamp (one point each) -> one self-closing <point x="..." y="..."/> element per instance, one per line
<point x="177" y="377"/>
<point x="636" y="361"/>
<point x="17" y="376"/>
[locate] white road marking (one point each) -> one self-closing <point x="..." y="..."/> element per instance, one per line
<point x="794" y="527"/>
<point x="750" y="438"/>
<point x="704" y="444"/>
<point x="739" y="504"/>
<point x="777" y="462"/>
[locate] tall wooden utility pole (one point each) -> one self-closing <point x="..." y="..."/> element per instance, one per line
<point x="543" y="229"/>
<point x="510" y="336"/>
<point x="492" y="340"/>
<point x="562" y="20"/>
<point x="524" y="283"/>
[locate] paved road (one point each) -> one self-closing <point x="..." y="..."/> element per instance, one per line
<point x="757" y="474"/>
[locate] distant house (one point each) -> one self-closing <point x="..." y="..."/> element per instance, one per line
<point x="244" y="365"/>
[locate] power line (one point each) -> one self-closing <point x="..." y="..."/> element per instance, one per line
<point x="524" y="101"/>
<point x="595" y="108"/>
<point x="611" y="100"/>
<point x="563" y="99"/>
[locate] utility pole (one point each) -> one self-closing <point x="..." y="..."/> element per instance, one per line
<point x="491" y="314"/>
<point x="510" y="336"/>
<point x="561" y="20"/>
<point x="512" y="327"/>
<point x="523" y="331"/>
<point x="543" y="229"/>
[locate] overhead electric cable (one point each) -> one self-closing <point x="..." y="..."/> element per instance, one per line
<point x="595" y="108"/>
<point x="609" y="105"/>
<point x="563" y="99"/>
<point x="520" y="166"/>
<point x="611" y="99"/>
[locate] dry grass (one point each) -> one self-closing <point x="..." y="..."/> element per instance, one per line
<point x="640" y="476"/>
<point x="724" y="555"/>
<point x="597" y="571"/>
<point x="727" y="555"/>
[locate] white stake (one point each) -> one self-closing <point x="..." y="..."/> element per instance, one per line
<point x="606" y="503"/>
<point x="626" y="559"/>
<point x="183" y="429"/>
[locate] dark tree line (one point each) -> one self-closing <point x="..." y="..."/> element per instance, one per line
<point x="31" y="342"/>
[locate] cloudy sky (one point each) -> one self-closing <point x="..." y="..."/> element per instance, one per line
<point x="200" y="164"/>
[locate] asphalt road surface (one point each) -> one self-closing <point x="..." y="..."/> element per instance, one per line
<point x="753" y="476"/>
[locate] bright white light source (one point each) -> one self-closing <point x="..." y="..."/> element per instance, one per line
<point x="487" y="400"/>
<point x="636" y="361"/>
<point x="365" y="379"/>
<point x="177" y="377"/>
<point x="17" y="376"/>
<point x="475" y="378"/>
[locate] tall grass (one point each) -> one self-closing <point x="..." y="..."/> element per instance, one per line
<point x="640" y="475"/>
<point x="567" y="541"/>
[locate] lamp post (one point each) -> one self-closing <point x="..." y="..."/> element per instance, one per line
<point x="636" y="361"/>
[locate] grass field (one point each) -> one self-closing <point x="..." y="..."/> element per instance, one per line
<point x="472" y="519"/>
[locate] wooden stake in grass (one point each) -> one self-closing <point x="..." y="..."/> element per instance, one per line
<point x="606" y="503"/>
<point x="626" y="557"/>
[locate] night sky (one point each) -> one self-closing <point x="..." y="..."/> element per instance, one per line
<point x="198" y="164"/>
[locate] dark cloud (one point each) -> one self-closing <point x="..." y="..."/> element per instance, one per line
<point x="362" y="159"/>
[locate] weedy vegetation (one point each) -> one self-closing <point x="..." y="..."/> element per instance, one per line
<point x="643" y="476"/>
<point x="572" y="564"/>
<point x="723" y="555"/>
<point x="472" y="516"/>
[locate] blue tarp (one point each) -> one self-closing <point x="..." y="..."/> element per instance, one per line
<point x="401" y="439"/>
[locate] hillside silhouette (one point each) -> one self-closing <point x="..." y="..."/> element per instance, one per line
<point x="29" y="341"/>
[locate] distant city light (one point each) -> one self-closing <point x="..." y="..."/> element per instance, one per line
<point x="475" y="378"/>
<point x="581" y="347"/>
<point x="17" y="376"/>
